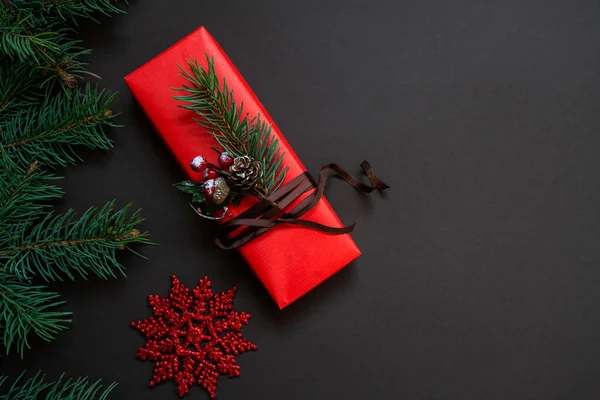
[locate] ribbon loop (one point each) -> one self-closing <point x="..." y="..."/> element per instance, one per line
<point x="269" y="212"/>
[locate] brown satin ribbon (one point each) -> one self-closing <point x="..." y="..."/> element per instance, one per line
<point x="269" y="212"/>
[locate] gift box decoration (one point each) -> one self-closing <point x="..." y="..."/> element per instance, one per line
<point x="309" y="243"/>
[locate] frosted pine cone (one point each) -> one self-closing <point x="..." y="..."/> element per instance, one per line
<point x="245" y="172"/>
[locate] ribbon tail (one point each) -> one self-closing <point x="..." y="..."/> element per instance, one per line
<point x="373" y="178"/>
<point x="267" y="214"/>
<point x="317" y="226"/>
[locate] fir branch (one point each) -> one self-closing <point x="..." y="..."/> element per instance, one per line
<point x="17" y="41"/>
<point x="50" y="134"/>
<point x="216" y="106"/>
<point x="17" y="88"/>
<point x="39" y="123"/>
<point x="40" y="42"/>
<point x="25" y="308"/>
<point x="63" y="246"/>
<point x="69" y="389"/>
<point x="66" y="67"/>
<point x="9" y="6"/>
<point x="23" y="194"/>
<point x="73" y="9"/>
<point x="227" y="123"/>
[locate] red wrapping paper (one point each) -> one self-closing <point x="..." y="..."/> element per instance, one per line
<point x="288" y="260"/>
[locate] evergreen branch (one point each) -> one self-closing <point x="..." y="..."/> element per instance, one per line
<point x="17" y="88"/>
<point x="37" y="123"/>
<point x="66" y="67"/>
<point x="17" y="41"/>
<point x="69" y="389"/>
<point x="22" y="194"/>
<point x="227" y="123"/>
<point x="216" y="106"/>
<point x="72" y="9"/>
<point x="25" y="308"/>
<point x="50" y="134"/>
<point x="9" y="6"/>
<point x="40" y="42"/>
<point x="27" y="47"/>
<point x="65" y="246"/>
<point x="265" y="148"/>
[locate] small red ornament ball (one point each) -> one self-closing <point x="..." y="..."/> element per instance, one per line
<point x="199" y="164"/>
<point x="209" y="189"/>
<point x="211" y="173"/>
<point x="225" y="160"/>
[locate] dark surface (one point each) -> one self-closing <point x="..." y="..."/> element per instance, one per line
<point x="480" y="274"/>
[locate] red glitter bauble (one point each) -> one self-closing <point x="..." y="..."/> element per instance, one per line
<point x="199" y="164"/>
<point x="193" y="336"/>
<point x="211" y="173"/>
<point x="225" y="160"/>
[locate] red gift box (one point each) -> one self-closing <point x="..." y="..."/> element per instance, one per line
<point x="288" y="260"/>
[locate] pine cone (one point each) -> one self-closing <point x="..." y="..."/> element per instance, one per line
<point x="245" y="172"/>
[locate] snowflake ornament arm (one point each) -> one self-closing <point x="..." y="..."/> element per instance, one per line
<point x="193" y="336"/>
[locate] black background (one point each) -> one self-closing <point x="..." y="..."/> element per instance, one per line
<point x="480" y="274"/>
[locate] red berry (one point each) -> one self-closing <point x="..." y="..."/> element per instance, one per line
<point x="209" y="189"/>
<point x="210" y="173"/>
<point x="225" y="160"/>
<point x="198" y="164"/>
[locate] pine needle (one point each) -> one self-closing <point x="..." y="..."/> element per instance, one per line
<point x="62" y="389"/>
<point x="50" y="133"/>
<point x="24" y="195"/>
<point x="65" y="246"/>
<point x="17" y="88"/>
<point x="25" y="308"/>
<point x="46" y="117"/>
<point x="16" y="41"/>
<point x="34" y="33"/>
<point x="227" y="123"/>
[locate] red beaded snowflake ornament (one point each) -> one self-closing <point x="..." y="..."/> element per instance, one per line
<point x="193" y="336"/>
